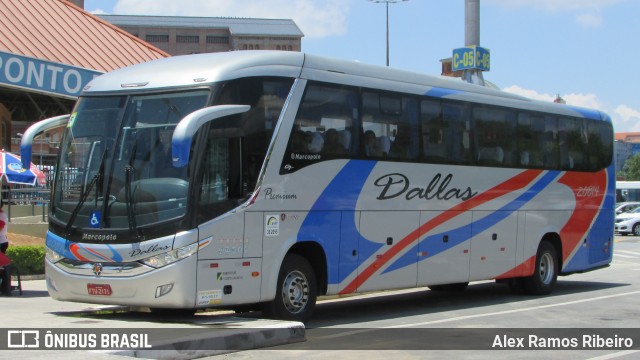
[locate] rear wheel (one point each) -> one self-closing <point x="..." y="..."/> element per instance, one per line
<point x="545" y="273"/>
<point x="296" y="291"/>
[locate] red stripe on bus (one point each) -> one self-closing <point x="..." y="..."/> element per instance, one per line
<point x="589" y="192"/>
<point x="517" y="182"/>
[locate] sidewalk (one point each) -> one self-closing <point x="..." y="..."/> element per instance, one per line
<point x="203" y="334"/>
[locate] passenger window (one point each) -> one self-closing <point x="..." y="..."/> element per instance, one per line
<point x="389" y="124"/>
<point x="550" y="150"/>
<point x="323" y="128"/>
<point x="572" y="135"/>
<point x="600" y="144"/>
<point x="458" y="133"/>
<point x="434" y="130"/>
<point x="494" y="137"/>
<point x="529" y="132"/>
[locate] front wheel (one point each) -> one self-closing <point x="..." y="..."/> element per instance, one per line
<point x="296" y="292"/>
<point x="636" y="229"/>
<point x="545" y="274"/>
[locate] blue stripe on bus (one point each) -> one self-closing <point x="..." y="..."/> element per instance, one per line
<point x="59" y="245"/>
<point x="327" y="225"/>
<point x="601" y="232"/>
<point x="587" y="113"/>
<point x="63" y="247"/>
<point x="441" y="92"/>
<point x="433" y="244"/>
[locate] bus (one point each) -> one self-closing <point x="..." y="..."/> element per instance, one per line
<point x="266" y="179"/>
<point x="627" y="191"/>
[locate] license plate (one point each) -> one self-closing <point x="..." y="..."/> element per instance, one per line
<point x="99" y="289"/>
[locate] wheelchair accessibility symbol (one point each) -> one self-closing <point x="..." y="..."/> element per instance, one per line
<point x="95" y="218"/>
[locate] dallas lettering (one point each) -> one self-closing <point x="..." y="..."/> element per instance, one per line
<point x="395" y="185"/>
<point x="152" y="249"/>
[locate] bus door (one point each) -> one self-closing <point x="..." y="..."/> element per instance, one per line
<point x="384" y="231"/>
<point x="443" y="253"/>
<point x="493" y="244"/>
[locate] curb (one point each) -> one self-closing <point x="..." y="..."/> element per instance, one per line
<point x="28" y="277"/>
<point x="214" y="343"/>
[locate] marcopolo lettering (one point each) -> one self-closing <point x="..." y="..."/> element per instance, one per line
<point x="395" y="185"/>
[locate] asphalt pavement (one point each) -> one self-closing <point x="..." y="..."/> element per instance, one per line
<point x="89" y="331"/>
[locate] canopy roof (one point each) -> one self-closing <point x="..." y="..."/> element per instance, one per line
<point x="58" y="31"/>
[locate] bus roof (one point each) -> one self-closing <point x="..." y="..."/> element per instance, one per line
<point x="200" y="69"/>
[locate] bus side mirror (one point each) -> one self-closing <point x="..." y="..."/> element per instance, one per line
<point x="187" y="127"/>
<point x="26" y="144"/>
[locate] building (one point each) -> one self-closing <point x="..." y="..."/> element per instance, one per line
<point x="447" y="68"/>
<point x="626" y="145"/>
<point x="49" y="50"/>
<point x="180" y="35"/>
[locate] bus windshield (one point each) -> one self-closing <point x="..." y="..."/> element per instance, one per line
<point x="115" y="162"/>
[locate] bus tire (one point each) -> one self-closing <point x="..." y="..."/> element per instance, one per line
<point x="545" y="272"/>
<point x="455" y="287"/>
<point x="296" y="291"/>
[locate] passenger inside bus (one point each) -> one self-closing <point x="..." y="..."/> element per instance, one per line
<point x="401" y="146"/>
<point x="315" y="142"/>
<point x="370" y="143"/>
<point x="332" y="145"/>
<point x="299" y="142"/>
<point x="490" y="152"/>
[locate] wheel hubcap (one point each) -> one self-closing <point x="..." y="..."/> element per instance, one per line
<point x="546" y="268"/>
<point x="295" y="292"/>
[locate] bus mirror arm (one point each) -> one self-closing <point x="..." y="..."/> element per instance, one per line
<point x="26" y="144"/>
<point x="187" y="127"/>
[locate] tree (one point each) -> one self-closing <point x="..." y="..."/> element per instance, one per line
<point x="631" y="168"/>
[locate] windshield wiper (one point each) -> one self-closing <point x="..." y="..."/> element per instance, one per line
<point x="85" y="194"/>
<point x="131" y="217"/>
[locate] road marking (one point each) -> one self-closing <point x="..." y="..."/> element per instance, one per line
<point x="512" y="311"/>
<point x="615" y="355"/>
<point x="626" y="256"/>
<point x="627" y="252"/>
<point x="362" y="331"/>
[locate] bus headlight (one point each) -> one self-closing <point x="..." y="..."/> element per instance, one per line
<point x="170" y="257"/>
<point x="52" y="256"/>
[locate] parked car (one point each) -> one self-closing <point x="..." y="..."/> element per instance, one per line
<point x="628" y="222"/>
<point x="626" y="207"/>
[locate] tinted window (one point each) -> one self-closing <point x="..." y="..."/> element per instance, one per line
<point x="401" y="127"/>
<point x="389" y="125"/>
<point x="494" y="130"/>
<point x="324" y="127"/>
<point x="600" y="144"/>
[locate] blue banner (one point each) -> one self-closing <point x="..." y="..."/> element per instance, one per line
<point x="43" y="76"/>
<point x="471" y="57"/>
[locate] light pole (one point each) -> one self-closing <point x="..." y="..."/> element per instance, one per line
<point x="387" y="2"/>
<point x="472" y="38"/>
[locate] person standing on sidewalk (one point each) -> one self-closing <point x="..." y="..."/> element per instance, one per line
<point x="5" y="262"/>
<point x="4" y="242"/>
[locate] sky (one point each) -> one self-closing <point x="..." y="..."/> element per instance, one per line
<point x="582" y="50"/>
